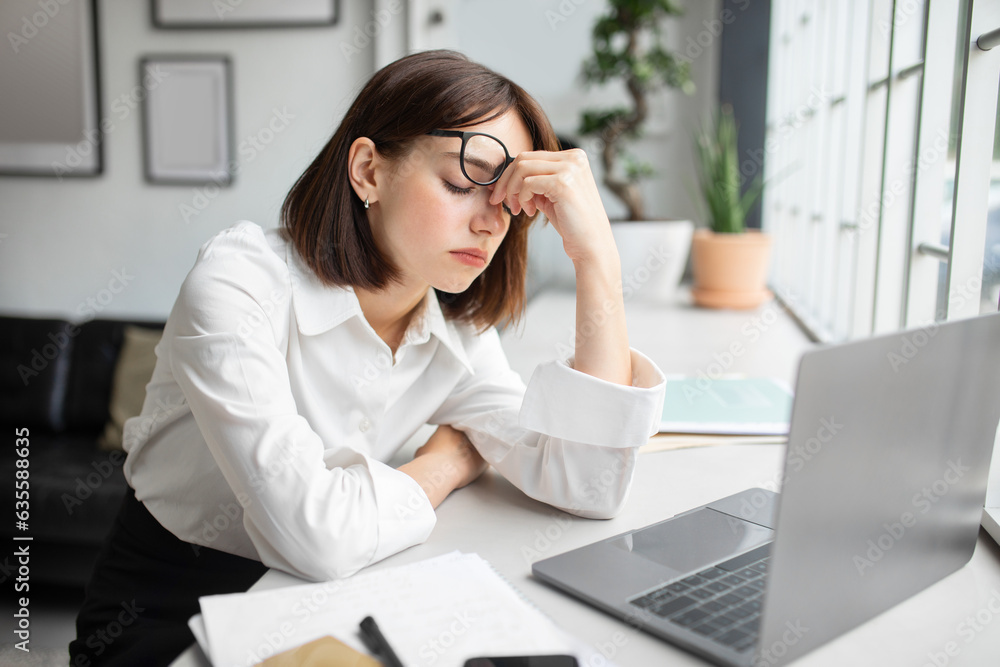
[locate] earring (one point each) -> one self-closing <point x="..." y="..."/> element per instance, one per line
<point x="366" y="203"/>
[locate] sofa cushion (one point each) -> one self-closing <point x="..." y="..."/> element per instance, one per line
<point x="136" y="362"/>
<point x="35" y="359"/>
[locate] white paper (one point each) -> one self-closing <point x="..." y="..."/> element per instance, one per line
<point x="197" y="625"/>
<point x="438" y="612"/>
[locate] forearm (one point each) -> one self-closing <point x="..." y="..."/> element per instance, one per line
<point x="436" y="475"/>
<point x="561" y="185"/>
<point x="602" y="348"/>
<point x="447" y="461"/>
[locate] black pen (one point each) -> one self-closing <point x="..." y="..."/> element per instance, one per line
<point x="377" y="642"/>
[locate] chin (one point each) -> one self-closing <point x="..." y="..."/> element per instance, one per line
<point x="450" y="289"/>
<point x="452" y="286"/>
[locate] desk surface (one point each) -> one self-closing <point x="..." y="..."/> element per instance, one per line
<point x="678" y="337"/>
<point x="955" y="622"/>
<point x="493" y="519"/>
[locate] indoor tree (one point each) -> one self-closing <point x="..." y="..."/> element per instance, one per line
<point x="628" y="46"/>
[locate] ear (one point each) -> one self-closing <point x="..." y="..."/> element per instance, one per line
<point x="364" y="167"/>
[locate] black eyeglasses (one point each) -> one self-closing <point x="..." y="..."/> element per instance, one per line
<point x="482" y="157"/>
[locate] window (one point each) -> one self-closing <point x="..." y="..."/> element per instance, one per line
<point x="883" y="163"/>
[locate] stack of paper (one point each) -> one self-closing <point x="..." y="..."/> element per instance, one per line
<point x="437" y="612"/>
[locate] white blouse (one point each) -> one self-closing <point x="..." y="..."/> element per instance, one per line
<point x="274" y="405"/>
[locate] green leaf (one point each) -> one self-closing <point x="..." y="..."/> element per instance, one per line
<point x="629" y="45"/>
<point x="597" y="122"/>
<point x="635" y="171"/>
<point x="719" y="174"/>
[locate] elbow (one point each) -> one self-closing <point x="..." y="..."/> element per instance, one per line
<point x="610" y="510"/>
<point x="321" y="564"/>
<point x="312" y="555"/>
<point x="331" y="570"/>
<point x="606" y="507"/>
<point x="604" y="493"/>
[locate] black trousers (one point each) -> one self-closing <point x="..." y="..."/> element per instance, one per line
<point x="144" y="589"/>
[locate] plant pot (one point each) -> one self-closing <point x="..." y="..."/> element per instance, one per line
<point x="730" y="270"/>
<point x="653" y="255"/>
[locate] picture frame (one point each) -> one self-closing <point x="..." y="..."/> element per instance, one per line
<point x="53" y="125"/>
<point x="187" y="119"/>
<point x="225" y="14"/>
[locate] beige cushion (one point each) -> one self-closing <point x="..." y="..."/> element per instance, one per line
<point x="128" y="389"/>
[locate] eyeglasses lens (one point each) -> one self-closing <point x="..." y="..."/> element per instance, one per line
<point x="484" y="159"/>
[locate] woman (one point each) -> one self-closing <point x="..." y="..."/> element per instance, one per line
<point x="297" y="361"/>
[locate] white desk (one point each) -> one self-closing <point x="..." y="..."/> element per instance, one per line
<point x="492" y="518"/>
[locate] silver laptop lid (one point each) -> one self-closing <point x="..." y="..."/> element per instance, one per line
<point x="926" y="402"/>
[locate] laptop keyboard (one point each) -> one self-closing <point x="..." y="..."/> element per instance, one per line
<point x="723" y="603"/>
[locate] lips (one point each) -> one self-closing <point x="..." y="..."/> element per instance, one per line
<point x="470" y="256"/>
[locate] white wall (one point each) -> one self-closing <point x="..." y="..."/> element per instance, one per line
<point x="64" y="239"/>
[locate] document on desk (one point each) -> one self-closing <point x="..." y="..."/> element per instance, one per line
<point x="726" y="406"/>
<point x="439" y="612"/>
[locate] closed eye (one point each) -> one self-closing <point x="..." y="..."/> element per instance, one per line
<point x="465" y="191"/>
<point x="457" y="190"/>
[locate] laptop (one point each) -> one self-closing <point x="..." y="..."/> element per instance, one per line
<point x="991" y="511"/>
<point x="884" y="482"/>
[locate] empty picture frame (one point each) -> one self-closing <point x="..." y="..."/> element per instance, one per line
<point x="187" y="119"/>
<point x="49" y="93"/>
<point x="243" y="13"/>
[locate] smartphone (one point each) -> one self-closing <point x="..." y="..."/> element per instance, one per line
<point x="524" y="661"/>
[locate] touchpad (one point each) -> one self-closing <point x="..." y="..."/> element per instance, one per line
<point x="692" y="541"/>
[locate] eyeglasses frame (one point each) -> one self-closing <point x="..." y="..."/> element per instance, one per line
<point x="465" y="136"/>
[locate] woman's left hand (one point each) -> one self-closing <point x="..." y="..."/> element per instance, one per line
<point x="561" y="185"/>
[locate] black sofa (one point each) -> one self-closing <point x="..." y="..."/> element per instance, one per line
<point x="55" y="382"/>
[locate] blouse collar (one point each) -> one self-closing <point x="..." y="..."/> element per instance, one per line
<point x="319" y="308"/>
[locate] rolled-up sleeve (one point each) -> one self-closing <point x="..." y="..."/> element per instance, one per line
<point x="567" y="439"/>
<point x="310" y="507"/>
<point x="577" y="407"/>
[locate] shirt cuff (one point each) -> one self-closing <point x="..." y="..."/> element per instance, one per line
<point x="405" y="515"/>
<point x="564" y="403"/>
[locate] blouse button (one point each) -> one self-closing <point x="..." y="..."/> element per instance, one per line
<point x="364" y="425"/>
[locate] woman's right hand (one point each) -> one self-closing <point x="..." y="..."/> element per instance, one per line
<point x="447" y="461"/>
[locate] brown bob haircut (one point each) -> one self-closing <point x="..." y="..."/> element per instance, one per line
<point x="418" y="93"/>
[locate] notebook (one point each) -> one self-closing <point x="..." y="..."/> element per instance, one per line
<point x="755" y="578"/>
<point x="728" y="405"/>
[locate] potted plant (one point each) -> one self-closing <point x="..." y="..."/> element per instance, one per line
<point x="729" y="261"/>
<point x="628" y="47"/>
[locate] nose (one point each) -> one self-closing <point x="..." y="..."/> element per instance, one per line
<point x="489" y="219"/>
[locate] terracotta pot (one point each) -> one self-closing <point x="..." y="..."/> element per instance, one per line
<point x="730" y="270"/>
